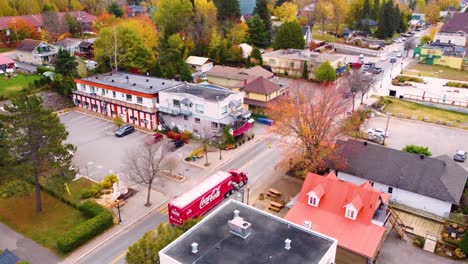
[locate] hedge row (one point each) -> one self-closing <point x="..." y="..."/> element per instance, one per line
<point x="100" y="220"/>
<point x="403" y="78"/>
<point x="457" y="84"/>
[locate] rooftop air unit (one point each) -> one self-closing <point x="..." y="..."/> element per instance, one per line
<point x="239" y="227"/>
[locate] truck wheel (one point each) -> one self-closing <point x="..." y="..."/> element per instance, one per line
<point x="231" y="192"/>
<point x="245" y="181"/>
<point x="226" y="195"/>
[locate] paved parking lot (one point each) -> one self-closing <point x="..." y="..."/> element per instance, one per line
<point x="440" y="140"/>
<point x="99" y="152"/>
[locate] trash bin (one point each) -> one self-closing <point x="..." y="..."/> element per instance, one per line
<point x="194" y="158"/>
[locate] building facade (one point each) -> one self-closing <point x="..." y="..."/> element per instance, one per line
<point x="132" y="97"/>
<point x="443" y="54"/>
<point x="202" y="109"/>
<point x="36" y="52"/>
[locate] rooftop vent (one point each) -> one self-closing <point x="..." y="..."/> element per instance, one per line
<point x="287" y="243"/>
<point x="112" y="80"/>
<point x="422" y="156"/>
<point x="97" y="77"/>
<point x="111" y="74"/>
<point x="134" y="84"/>
<point x="126" y="77"/>
<point x="147" y="80"/>
<point x="239" y="227"/>
<point x="151" y="86"/>
<point x="365" y="143"/>
<point x="194" y="247"/>
<point x="308" y="224"/>
<point x="163" y="83"/>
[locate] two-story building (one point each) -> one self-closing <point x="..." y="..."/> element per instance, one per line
<point x="36" y="52"/>
<point x="130" y="96"/>
<point x="203" y="108"/>
<point x="233" y="78"/>
<point x="291" y="61"/>
<point x="260" y="93"/>
<point x="443" y="54"/>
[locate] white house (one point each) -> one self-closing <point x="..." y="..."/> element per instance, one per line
<point x="454" y="31"/>
<point x="307" y="35"/>
<point x="429" y="184"/>
<point x="202" y="109"/>
<point x="130" y="96"/>
<point x="35" y="52"/>
<point x="199" y="64"/>
<point x="72" y="45"/>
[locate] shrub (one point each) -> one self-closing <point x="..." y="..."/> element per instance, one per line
<point x="173" y="135"/>
<point x="403" y="78"/>
<point x="418" y="242"/>
<point x="41" y="69"/>
<point x="108" y="181"/>
<point x="14" y="188"/>
<point x="93" y="191"/>
<point x="187" y="134"/>
<point x="457" y="84"/>
<point x="184" y="138"/>
<point x="464" y="244"/>
<point x="100" y="221"/>
<point x="417" y="150"/>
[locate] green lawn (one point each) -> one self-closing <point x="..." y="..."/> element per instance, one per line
<point x="10" y="86"/>
<point x="437" y="71"/>
<point x="76" y="186"/>
<point x="2" y="50"/>
<point x="409" y="109"/>
<point x="45" y="228"/>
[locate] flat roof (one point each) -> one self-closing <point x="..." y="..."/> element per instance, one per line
<point x="133" y="82"/>
<point x="200" y="189"/>
<point x="208" y="92"/>
<point x="304" y="55"/>
<point x="265" y="244"/>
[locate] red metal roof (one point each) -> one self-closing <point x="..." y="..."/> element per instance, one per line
<point x="319" y="190"/>
<point x="360" y="235"/>
<point x="5" y="60"/>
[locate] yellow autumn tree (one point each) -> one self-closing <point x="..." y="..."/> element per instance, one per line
<point x="287" y="12"/>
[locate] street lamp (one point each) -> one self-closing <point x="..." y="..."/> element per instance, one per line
<point x="391" y="70"/>
<point x="381" y="80"/>
<point x="248" y="194"/>
<point x="401" y="68"/>
<point x="386" y="128"/>
<point x="220" y="158"/>
<point x="118" y="210"/>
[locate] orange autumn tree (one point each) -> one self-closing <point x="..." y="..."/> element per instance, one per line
<point x="313" y="117"/>
<point x="104" y="20"/>
<point x="20" y="30"/>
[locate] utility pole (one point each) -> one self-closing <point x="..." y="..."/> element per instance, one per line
<point x="381" y="80"/>
<point x="386" y="127"/>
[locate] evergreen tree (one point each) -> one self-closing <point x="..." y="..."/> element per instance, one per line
<point x="325" y="72"/>
<point x="366" y="9"/>
<point x="289" y="36"/>
<point x="36" y="134"/>
<point x="186" y="73"/>
<point x="261" y="9"/>
<point x="396" y="19"/>
<point x="386" y="26"/>
<point x="375" y="10"/>
<point x="305" y="71"/>
<point x="258" y="34"/>
<point x="115" y="9"/>
<point x="256" y="54"/>
<point x="228" y="10"/>
<point x="66" y="64"/>
<point x="158" y="70"/>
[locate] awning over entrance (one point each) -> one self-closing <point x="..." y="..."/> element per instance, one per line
<point x="242" y="129"/>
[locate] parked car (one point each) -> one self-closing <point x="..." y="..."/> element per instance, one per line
<point x="399" y="55"/>
<point x="355" y="65"/>
<point x="157" y="137"/>
<point x="383" y="58"/>
<point x="376" y="70"/>
<point x="460" y="156"/>
<point x="393" y="60"/>
<point x="377" y="132"/>
<point x="177" y="144"/>
<point x="124" y="130"/>
<point x="368" y="66"/>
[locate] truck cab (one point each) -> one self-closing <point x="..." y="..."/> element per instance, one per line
<point x="239" y="177"/>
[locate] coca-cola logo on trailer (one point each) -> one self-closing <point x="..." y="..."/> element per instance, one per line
<point x="208" y="199"/>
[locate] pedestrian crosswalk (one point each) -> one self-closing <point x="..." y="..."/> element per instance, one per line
<point x="163" y="209"/>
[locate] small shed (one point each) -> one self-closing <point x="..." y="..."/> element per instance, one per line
<point x="199" y="64"/>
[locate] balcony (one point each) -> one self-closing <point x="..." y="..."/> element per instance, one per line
<point x="117" y="102"/>
<point x="174" y="111"/>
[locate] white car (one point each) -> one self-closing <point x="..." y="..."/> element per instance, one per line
<point x="377" y="132"/>
<point x="383" y="58"/>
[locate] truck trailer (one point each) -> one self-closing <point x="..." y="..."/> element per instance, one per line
<point x="204" y="196"/>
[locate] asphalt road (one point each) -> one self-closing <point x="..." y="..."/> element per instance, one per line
<point x="258" y="161"/>
<point x="441" y="140"/>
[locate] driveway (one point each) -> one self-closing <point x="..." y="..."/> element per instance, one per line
<point x="25" y="248"/>
<point x="441" y="140"/>
<point x="99" y="152"/>
<point x="396" y="251"/>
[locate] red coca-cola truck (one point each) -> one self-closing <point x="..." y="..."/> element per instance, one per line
<point x="205" y="196"/>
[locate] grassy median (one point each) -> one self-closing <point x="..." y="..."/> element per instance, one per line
<point x="436" y="71"/>
<point x="11" y="86"/>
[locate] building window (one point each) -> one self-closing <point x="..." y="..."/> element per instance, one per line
<point x="350" y="213"/>
<point x="86" y="104"/>
<point x="91" y="89"/>
<point x="371" y="183"/>
<point x="313" y="201"/>
<point x="139" y="100"/>
<point x="77" y="101"/>
<point x="95" y="106"/>
<point x="272" y="62"/>
<point x="291" y="64"/>
<point x="83" y="87"/>
<point x="129" y="97"/>
<point x="185" y="117"/>
<point x="176" y="102"/>
<point x="114" y="94"/>
<point x="224" y="109"/>
<point x="199" y="108"/>
<point x="144" y="121"/>
<point x="390" y="190"/>
<point x="214" y="125"/>
<point x="134" y="118"/>
<point x="197" y="120"/>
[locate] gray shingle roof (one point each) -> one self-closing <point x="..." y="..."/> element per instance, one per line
<point x="440" y="177"/>
<point x="7" y="257"/>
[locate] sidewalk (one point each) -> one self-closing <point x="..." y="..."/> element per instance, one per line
<point x="214" y="161"/>
<point x="130" y="213"/>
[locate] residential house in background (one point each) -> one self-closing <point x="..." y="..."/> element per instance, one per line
<point x="202" y="109"/>
<point x="238" y="233"/>
<point x="8" y="257"/>
<point x="7" y="65"/>
<point x="260" y="93"/>
<point x="72" y="45"/>
<point x="199" y="64"/>
<point x="36" y="52"/>
<point x="429" y="184"/>
<point x="291" y="61"/>
<point x="444" y="54"/>
<point x="354" y="215"/>
<point x="130" y="96"/>
<point x="86" y="49"/>
<point x="454" y="31"/>
<point x="233" y="78"/>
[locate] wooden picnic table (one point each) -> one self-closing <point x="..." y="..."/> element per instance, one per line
<point x="275" y="204"/>
<point x="274" y="191"/>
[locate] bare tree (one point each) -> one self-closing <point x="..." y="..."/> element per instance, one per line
<point x="359" y="82"/>
<point x="313" y="117"/>
<point x="409" y="44"/>
<point x="207" y="136"/>
<point x="171" y="163"/>
<point x="145" y="162"/>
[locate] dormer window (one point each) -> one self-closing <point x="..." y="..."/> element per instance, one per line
<point x="350" y="213"/>
<point x="315" y="195"/>
<point x="312" y="201"/>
